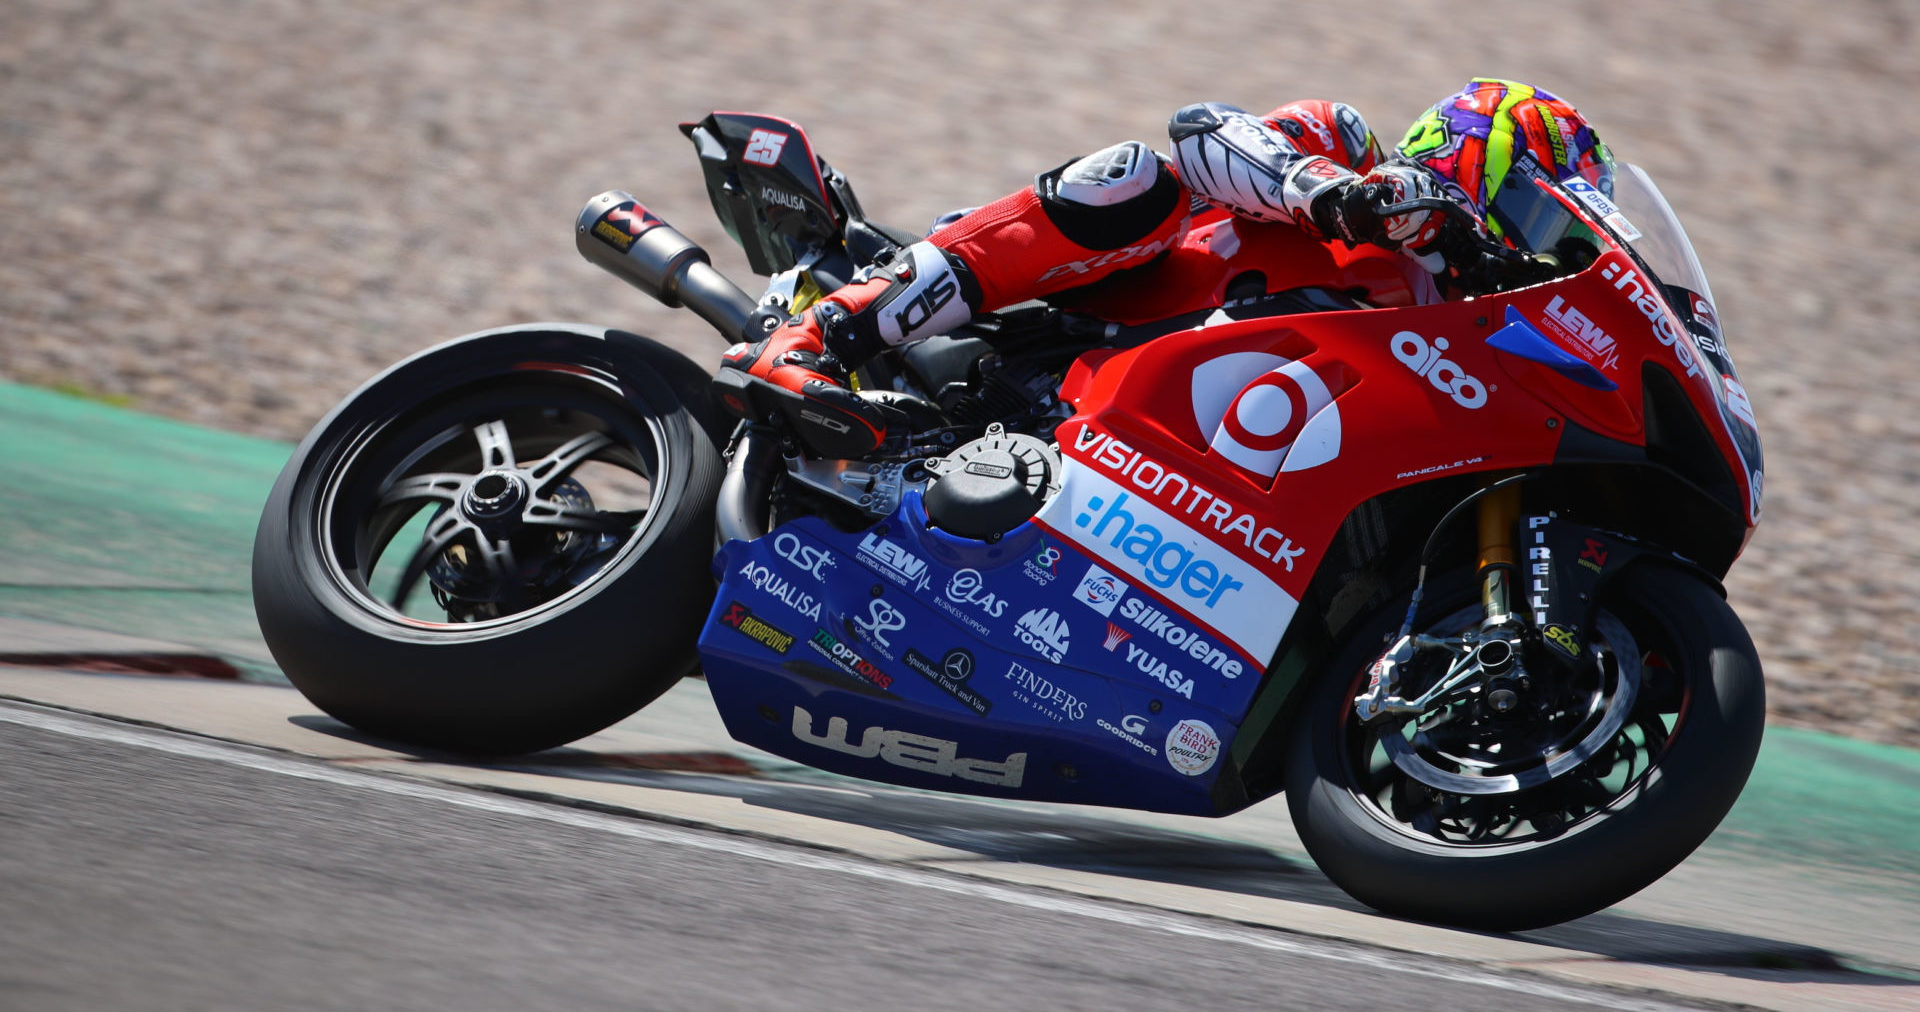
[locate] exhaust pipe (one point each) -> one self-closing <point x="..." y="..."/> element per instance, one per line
<point x="616" y="233"/>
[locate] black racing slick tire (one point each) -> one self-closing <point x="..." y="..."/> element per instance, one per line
<point x="1421" y="828"/>
<point x="499" y="545"/>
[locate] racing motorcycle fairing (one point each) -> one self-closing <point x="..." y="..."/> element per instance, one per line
<point x="767" y="187"/>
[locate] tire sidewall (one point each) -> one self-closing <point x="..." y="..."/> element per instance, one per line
<point x="575" y="665"/>
<point x="1643" y="834"/>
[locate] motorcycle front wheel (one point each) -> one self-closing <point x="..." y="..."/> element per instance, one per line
<point x="1607" y="776"/>
<point x="499" y="545"/>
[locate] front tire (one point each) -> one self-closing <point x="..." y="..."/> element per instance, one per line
<point x="497" y="546"/>
<point x="1538" y="853"/>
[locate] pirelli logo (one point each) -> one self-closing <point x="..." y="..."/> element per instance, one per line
<point x="740" y="617"/>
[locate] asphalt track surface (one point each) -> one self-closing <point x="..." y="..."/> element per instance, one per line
<point x="155" y="870"/>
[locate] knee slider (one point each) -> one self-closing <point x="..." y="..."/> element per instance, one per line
<point x="1112" y="198"/>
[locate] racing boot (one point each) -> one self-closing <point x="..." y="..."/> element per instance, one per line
<point x="797" y="371"/>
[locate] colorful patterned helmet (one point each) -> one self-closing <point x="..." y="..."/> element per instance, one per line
<point x="1472" y="138"/>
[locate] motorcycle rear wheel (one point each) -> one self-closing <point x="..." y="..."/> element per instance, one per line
<point x="1645" y="795"/>
<point x="446" y="560"/>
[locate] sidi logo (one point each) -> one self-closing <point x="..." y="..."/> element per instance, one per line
<point x="917" y="752"/>
<point x="1444" y="374"/>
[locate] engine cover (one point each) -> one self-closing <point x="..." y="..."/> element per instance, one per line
<point x="991" y="485"/>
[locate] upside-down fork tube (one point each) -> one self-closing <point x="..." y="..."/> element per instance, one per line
<point x="1499" y="516"/>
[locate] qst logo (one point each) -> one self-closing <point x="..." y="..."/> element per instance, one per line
<point x="1100" y="590"/>
<point x="1046" y="632"/>
<point x="813" y="561"/>
<point x="1416" y="354"/>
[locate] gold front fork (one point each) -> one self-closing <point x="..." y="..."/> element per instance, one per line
<point x="1499" y="516"/>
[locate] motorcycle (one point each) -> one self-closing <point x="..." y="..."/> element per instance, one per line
<point x="1265" y="516"/>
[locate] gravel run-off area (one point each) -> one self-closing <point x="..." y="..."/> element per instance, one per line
<point x="233" y="212"/>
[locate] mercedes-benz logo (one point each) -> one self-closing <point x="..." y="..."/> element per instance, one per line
<point x="958" y="664"/>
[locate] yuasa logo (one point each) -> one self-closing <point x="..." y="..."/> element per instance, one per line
<point x="894" y="562"/>
<point x="1100" y="590"/>
<point x="968" y="587"/>
<point x="1046" y="632"/>
<point x="1158" y="670"/>
<point x="1575" y="325"/>
<point x="1424" y="359"/>
<point x="920" y="753"/>
<point x="813" y="561"/>
<point x="1185" y="640"/>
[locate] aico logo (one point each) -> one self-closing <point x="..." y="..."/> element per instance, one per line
<point x="1167" y="563"/>
<point x="1046" y="632"/>
<point x="1628" y="282"/>
<point x="1100" y="590"/>
<point x="1574" y="324"/>
<point x="1416" y="354"/>
<point x="1194" y="645"/>
<point x="894" y="562"/>
<point x="935" y="756"/>
<point x="968" y="587"/>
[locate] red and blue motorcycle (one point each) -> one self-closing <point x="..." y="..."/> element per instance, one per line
<point x="1265" y="517"/>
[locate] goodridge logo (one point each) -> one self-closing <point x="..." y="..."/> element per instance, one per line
<point x="1425" y="359"/>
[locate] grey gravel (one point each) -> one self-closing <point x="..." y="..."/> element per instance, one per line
<point x="233" y="212"/>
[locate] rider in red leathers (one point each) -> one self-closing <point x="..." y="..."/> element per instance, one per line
<point x="1313" y="164"/>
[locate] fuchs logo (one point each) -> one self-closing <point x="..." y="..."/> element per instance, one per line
<point x="774" y="585"/>
<point x="968" y="587"/>
<point x="1283" y="412"/>
<point x="1046" y="632"/>
<point x="917" y="752"/>
<point x="1037" y="691"/>
<point x="894" y="562"/>
<point x="1629" y="282"/>
<point x="1177" y="636"/>
<point x="1100" y="590"/>
<point x="813" y="561"/>
<point x="1574" y="324"/>
<point x="1116" y="636"/>
<point x="1424" y="359"/>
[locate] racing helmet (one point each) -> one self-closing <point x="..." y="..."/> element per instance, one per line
<point x="1472" y="138"/>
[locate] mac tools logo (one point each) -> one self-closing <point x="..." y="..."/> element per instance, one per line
<point x="1282" y="419"/>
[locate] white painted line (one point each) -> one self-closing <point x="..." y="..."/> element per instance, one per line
<point x="637" y="828"/>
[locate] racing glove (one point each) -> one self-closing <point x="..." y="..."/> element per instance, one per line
<point x="1350" y="213"/>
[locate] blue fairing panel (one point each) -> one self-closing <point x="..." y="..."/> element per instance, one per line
<point x="1016" y="669"/>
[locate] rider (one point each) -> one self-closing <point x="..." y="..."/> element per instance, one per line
<point x="1313" y="164"/>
